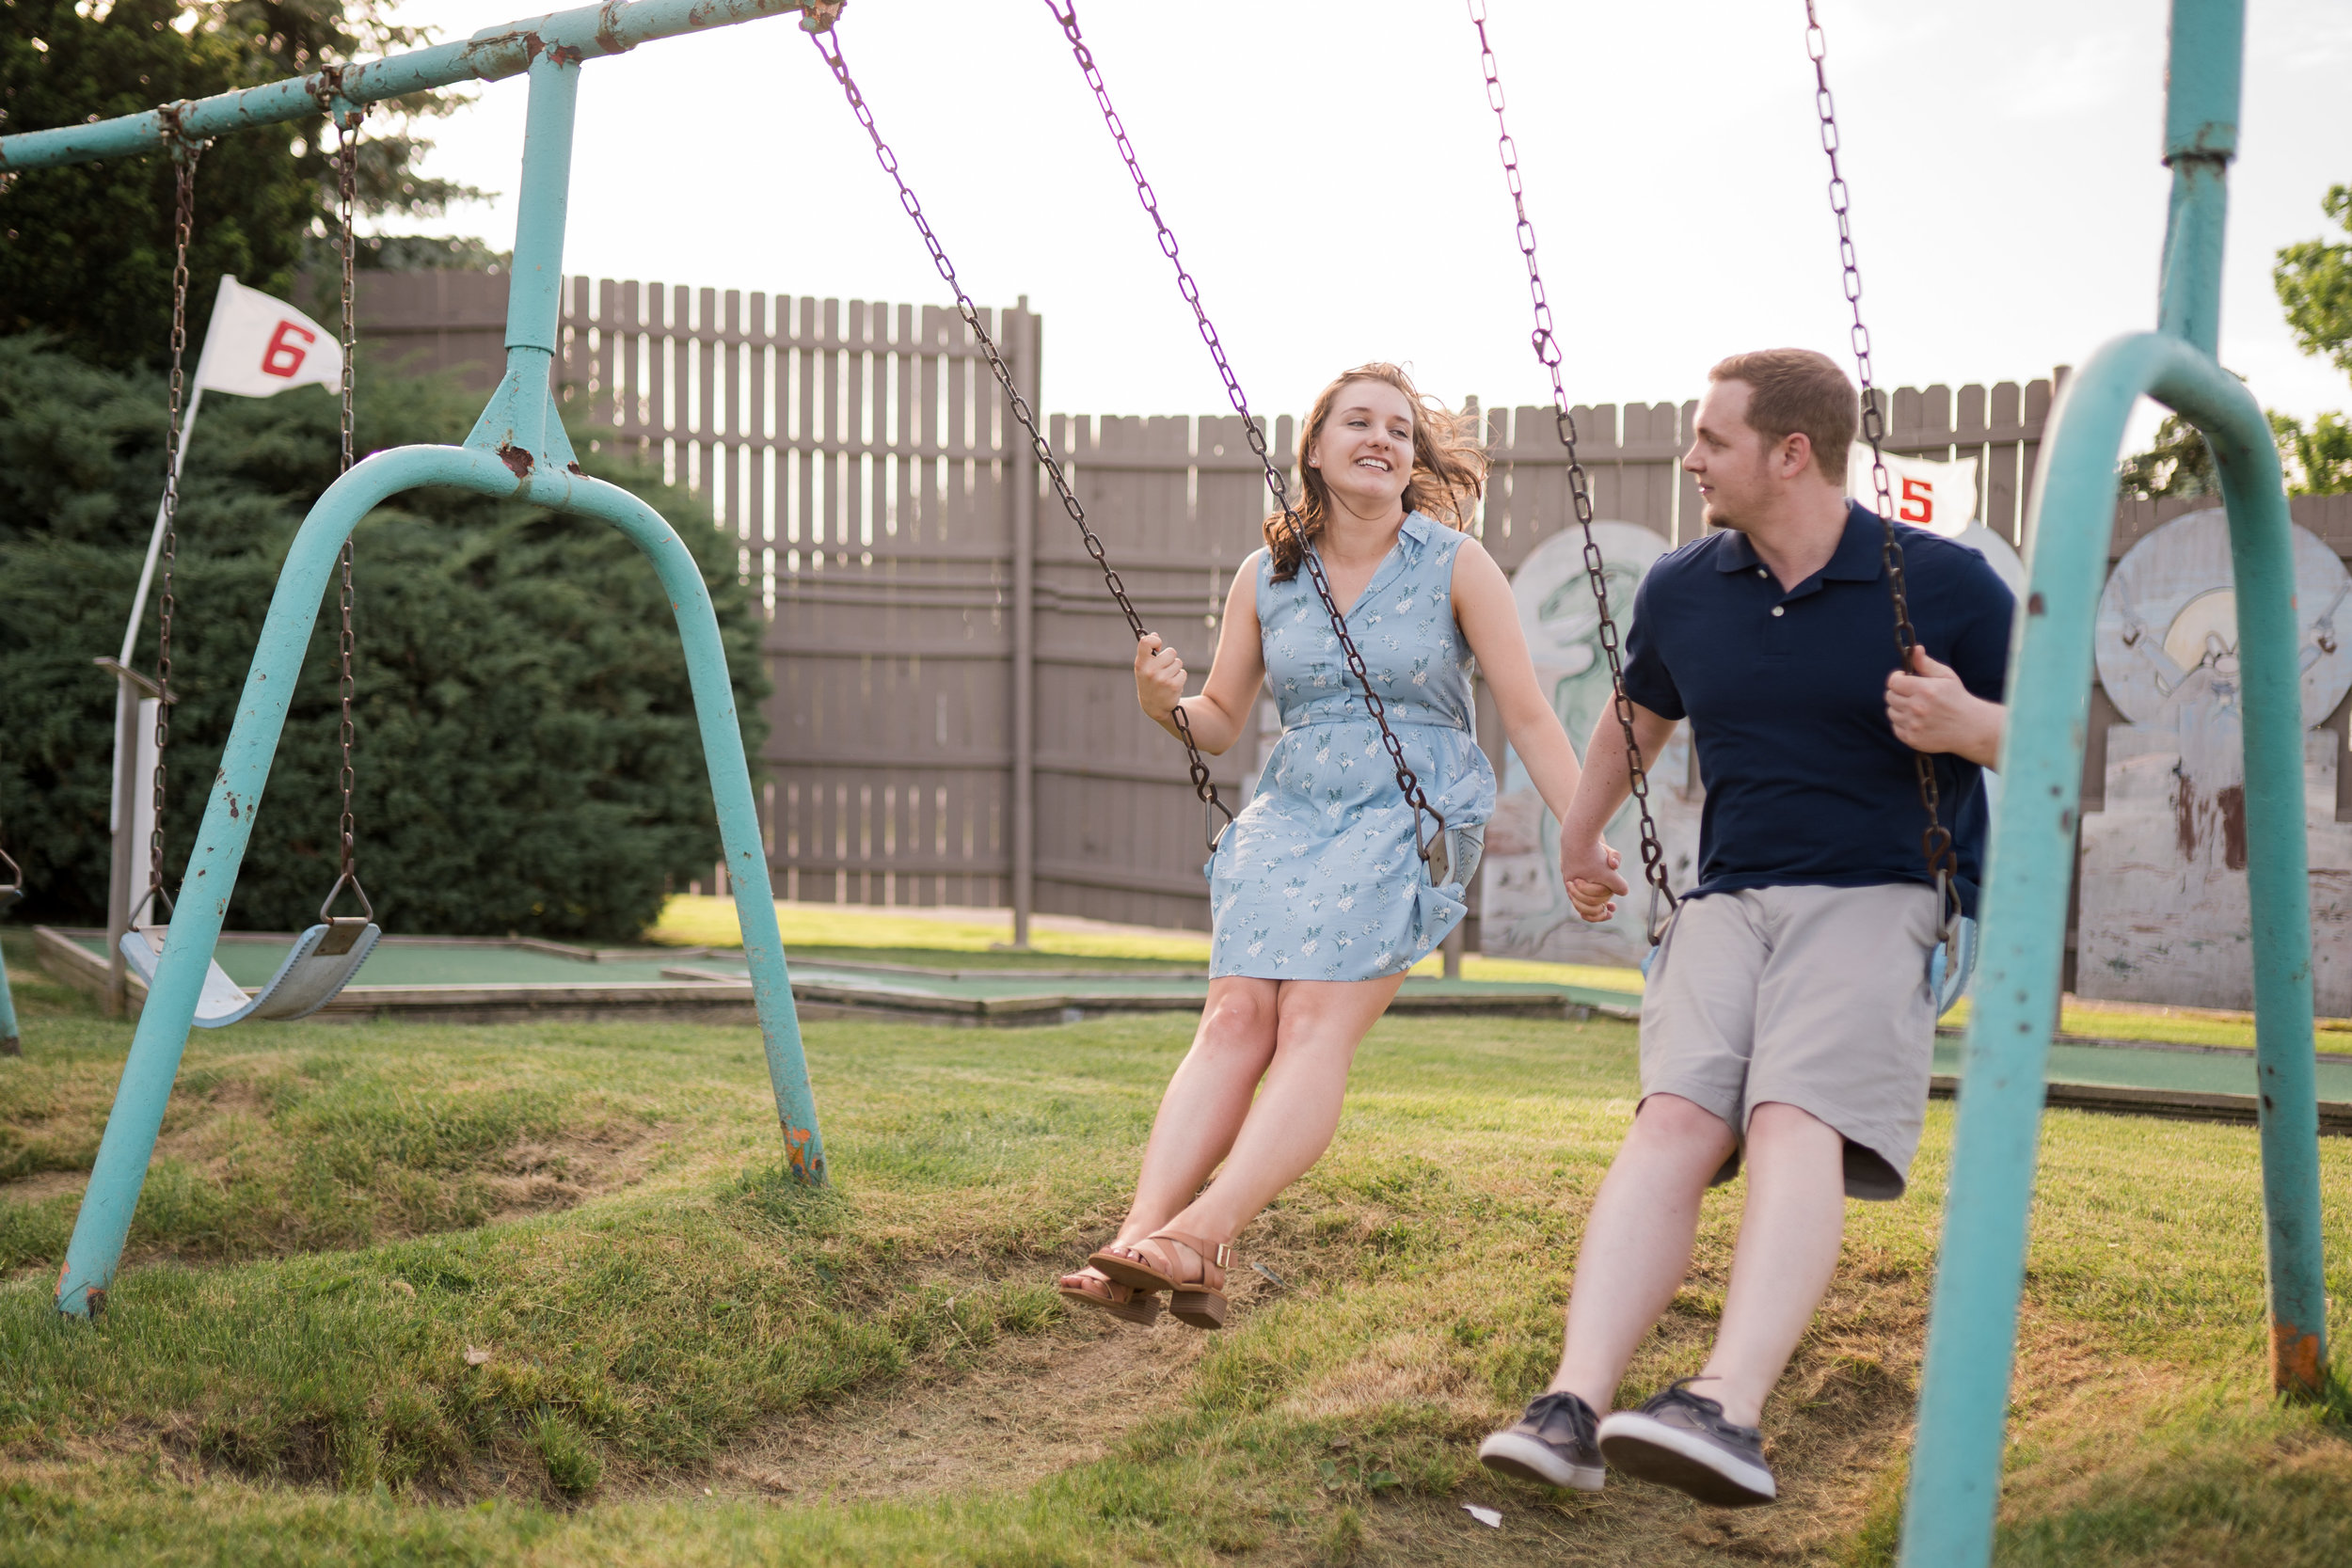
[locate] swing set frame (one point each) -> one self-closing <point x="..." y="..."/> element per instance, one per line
<point x="519" y="449"/>
<point x="516" y="448"/>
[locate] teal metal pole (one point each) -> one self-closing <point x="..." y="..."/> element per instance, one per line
<point x="1956" y="1468"/>
<point x="518" y="450"/>
<point x="10" y="1044"/>
<point x="491" y="54"/>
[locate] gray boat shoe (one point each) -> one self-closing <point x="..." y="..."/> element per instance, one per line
<point x="1680" y="1439"/>
<point x="1552" y="1443"/>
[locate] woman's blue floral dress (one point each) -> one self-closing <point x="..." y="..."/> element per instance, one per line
<point x="1318" y="878"/>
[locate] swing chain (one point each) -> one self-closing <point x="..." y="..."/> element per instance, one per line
<point x="1431" y="847"/>
<point x="1546" y="347"/>
<point x="185" y="153"/>
<point x="1935" y="840"/>
<point x="346" y="202"/>
<point x="1203" y="785"/>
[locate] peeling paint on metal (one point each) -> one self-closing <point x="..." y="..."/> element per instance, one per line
<point x="518" y="459"/>
<point x="2294" y="1359"/>
<point x="609" y="37"/>
<point x="796" y="1142"/>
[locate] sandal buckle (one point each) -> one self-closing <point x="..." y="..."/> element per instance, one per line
<point x="1224" y="1253"/>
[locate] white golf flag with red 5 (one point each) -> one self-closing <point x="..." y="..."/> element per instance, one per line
<point x="257" y="345"/>
<point x="1925" y="492"/>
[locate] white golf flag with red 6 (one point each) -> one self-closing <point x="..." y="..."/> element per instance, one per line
<point x="1925" y="492"/>
<point x="257" y="345"/>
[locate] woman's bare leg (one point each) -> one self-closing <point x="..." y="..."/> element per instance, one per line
<point x="1206" y="1100"/>
<point x="1319" y="1025"/>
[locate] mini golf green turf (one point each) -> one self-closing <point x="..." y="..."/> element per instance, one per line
<point x="2156" y="1067"/>
<point x="252" y="961"/>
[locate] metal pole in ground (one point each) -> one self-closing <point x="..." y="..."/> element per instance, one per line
<point x="1956" y="1468"/>
<point x="134" y="746"/>
<point x="1023" y="334"/>
<point x="11" y="1045"/>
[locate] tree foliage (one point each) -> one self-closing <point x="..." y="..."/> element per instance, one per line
<point x="2314" y="284"/>
<point x="85" y="251"/>
<point x="528" y="754"/>
<point x="2178" y="463"/>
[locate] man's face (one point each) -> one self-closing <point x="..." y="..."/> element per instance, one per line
<point x="1729" y="457"/>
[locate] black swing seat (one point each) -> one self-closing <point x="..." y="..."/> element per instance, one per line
<point x="324" y="960"/>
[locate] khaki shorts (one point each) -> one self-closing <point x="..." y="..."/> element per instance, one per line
<point x="1815" y="997"/>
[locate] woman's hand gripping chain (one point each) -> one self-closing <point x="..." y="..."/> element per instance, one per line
<point x="1159" y="677"/>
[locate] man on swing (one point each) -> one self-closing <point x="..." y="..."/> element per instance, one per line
<point x="1788" y="1019"/>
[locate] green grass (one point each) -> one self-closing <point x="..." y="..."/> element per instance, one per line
<point x="598" y="1214"/>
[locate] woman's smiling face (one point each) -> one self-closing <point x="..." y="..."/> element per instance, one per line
<point x="1365" y="448"/>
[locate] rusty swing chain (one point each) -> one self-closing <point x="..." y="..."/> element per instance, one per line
<point x="1579" y="490"/>
<point x="1935" y="840"/>
<point x="828" y="45"/>
<point x="185" y="153"/>
<point x="1432" y="849"/>
<point x="330" y="80"/>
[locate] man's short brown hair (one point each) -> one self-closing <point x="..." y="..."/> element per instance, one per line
<point x="1796" y="391"/>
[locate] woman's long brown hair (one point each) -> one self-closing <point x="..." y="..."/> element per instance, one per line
<point x="1449" y="467"/>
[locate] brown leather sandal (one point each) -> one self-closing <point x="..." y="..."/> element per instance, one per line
<point x="1123" y="1302"/>
<point x="1198" y="1298"/>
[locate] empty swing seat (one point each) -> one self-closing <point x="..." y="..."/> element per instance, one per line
<point x="324" y="960"/>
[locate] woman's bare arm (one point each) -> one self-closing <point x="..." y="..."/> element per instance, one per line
<point x="1218" y="714"/>
<point x="1489" y="619"/>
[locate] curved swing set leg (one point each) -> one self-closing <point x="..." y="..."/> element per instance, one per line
<point x="176" y="991"/>
<point x="518" y="451"/>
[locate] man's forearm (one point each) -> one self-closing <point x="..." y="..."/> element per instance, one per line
<point x="1982" y="745"/>
<point x="1606" y="782"/>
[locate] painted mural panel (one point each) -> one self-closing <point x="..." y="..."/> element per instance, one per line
<point x="2164" y="902"/>
<point x="1524" y="910"/>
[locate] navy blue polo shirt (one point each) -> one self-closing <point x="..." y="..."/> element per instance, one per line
<point x="1785" y="692"/>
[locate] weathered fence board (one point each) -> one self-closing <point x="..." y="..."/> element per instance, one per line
<point x="931" y="604"/>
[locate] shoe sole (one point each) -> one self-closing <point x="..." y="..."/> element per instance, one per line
<point x="1511" y="1454"/>
<point x="1650" y="1449"/>
<point x="1144" y="1311"/>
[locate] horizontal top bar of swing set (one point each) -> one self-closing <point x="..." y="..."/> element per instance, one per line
<point x="591" y="32"/>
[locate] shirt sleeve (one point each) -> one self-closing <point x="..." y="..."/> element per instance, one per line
<point x="1647" y="680"/>
<point x="1982" y="607"/>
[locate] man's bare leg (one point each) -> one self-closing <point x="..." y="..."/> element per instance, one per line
<point x="1789" y="1236"/>
<point x="1637" y="1243"/>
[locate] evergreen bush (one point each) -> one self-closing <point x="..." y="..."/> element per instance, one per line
<point x="527" y="758"/>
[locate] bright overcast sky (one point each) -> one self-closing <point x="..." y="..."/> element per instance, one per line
<point x="1330" y="171"/>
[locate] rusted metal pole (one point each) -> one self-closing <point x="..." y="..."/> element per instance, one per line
<point x="1025" y="340"/>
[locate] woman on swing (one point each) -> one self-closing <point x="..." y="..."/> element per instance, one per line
<point x="1320" y="899"/>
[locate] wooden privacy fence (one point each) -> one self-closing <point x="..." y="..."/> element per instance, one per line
<point x="954" y="718"/>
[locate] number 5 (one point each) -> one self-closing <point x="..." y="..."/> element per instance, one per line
<point x="1919" y="502"/>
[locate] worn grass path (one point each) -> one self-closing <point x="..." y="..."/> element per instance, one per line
<point x="540" y="1294"/>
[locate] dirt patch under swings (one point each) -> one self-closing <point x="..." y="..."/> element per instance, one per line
<point x="1037" y="1406"/>
<point x="532" y="1178"/>
<point x="44" y="1185"/>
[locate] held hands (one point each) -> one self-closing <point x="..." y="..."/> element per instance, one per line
<point x="1931" y="711"/>
<point x="1159" y="677"/>
<point x="1591" y="873"/>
